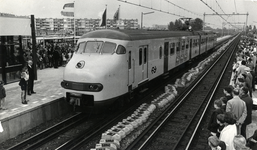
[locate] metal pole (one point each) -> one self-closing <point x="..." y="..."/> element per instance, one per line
<point x="203" y="20"/>
<point x="34" y="49"/>
<point x="142" y="17"/>
<point x="141" y="20"/>
<point x="246" y="22"/>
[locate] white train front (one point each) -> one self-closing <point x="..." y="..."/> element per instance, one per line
<point x="108" y="64"/>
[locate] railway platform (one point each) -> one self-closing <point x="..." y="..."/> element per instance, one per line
<point x="45" y="105"/>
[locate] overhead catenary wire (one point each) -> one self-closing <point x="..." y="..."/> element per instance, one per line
<point x="155" y="9"/>
<point x="218" y="14"/>
<point x="182" y="8"/>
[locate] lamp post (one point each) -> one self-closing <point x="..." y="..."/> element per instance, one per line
<point x="142" y="14"/>
<point x="223" y="25"/>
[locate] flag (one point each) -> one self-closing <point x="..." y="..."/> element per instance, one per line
<point x="71" y="5"/>
<point x="116" y="15"/>
<point x="68" y="10"/>
<point x="103" y="20"/>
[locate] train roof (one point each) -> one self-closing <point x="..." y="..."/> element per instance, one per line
<point x="137" y="34"/>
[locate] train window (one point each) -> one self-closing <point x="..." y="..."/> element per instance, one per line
<point x="121" y="50"/>
<point x="187" y="46"/>
<point x="172" y="48"/>
<point x="145" y="55"/>
<point x="140" y="56"/>
<point x="80" y="47"/>
<point x="108" y="47"/>
<point x="178" y="46"/>
<point x="183" y="45"/>
<point x="93" y="46"/>
<point x="160" y="52"/>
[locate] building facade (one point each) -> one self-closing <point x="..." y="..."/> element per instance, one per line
<point x="65" y="26"/>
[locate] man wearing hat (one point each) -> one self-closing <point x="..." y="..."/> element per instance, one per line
<point x="2" y="95"/>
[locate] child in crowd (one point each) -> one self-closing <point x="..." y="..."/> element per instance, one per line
<point x="240" y="143"/>
<point x="2" y="95"/>
<point x="216" y="144"/>
<point x="23" y="85"/>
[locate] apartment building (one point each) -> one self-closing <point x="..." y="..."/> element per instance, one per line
<point x="65" y="26"/>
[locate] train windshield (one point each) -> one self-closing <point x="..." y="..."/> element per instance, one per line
<point x="96" y="47"/>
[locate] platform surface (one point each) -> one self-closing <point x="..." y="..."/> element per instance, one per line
<point x="47" y="88"/>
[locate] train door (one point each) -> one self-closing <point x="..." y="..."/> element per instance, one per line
<point x="190" y="48"/>
<point x="206" y="43"/>
<point x="131" y="70"/>
<point x="166" y="56"/>
<point x="143" y="62"/>
<point x="177" y="53"/>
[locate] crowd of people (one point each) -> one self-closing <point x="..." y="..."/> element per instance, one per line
<point x="51" y="54"/>
<point x="233" y="111"/>
<point x="48" y="55"/>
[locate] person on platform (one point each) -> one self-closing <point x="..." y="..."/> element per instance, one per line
<point x="216" y="144"/>
<point x="31" y="78"/>
<point x="251" y="65"/>
<point x="247" y="76"/>
<point x="56" y="57"/>
<point x="249" y="104"/>
<point x="23" y="85"/>
<point x="2" y="96"/>
<point x="229" y="131"/>
<point x="240" y="143"/>
<point x="252" y="141"/>
<point x="213" y="125"/>
<point x="238" y="108"/>
<point x="227" y="93"/>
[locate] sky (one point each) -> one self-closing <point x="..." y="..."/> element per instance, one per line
<point x="94" y="9"/>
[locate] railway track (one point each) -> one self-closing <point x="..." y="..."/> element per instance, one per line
<point x="176" y="127"/>
<point x="50" y="133"/>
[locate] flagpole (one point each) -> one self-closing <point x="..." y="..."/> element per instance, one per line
<point x="118" y="17"/>
<point x="106" y="17"/>
<point x="74" y="25"/>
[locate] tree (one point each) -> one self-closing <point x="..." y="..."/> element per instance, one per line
<point x="171" y="26"/>
<point x="178" y="24"/>
<point x="197" y="24"/>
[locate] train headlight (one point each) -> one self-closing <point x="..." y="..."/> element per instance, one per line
<point x="95" y="87"/>
<point x="92" y="87"/>
<point x="80" y="64"/>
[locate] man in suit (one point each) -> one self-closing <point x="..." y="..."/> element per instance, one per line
<point x="238" y="108"/>
<point x="31" y="78"/>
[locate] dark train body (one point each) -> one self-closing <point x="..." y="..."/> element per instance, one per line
<point x="108" y="64"/>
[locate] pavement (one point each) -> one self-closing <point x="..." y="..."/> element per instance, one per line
<point x="47" y="87"/>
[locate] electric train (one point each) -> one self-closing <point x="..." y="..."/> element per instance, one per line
<point x="108" y="64"/>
